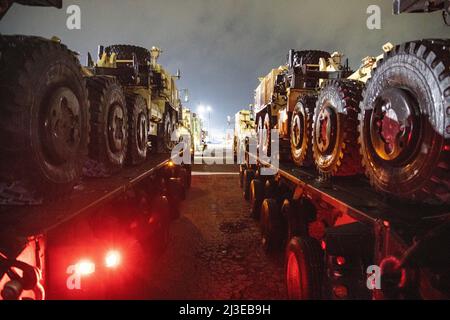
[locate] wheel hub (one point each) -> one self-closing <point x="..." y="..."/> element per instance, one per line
<point x="116" y="131"/>
<point x="61" y="126"/>
<point x="297" y="130"/>
<point x="394" y="124"/>
<point x="142" y="131"/>
<point x="326" y="128"/>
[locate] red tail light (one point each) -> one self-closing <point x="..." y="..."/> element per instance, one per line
<point x="85" y="267"/>
<point x="113" y="259"/>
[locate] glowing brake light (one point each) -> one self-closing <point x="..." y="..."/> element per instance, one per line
<point x="85" y="267"/>
<point x="340" y="261"/>
<point x="113" y="259"/>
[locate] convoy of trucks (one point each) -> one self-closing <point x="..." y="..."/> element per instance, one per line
<point x="61" y="120"/>
<point x="88" y="187"/>
<point x="244" y="130"/>
<point x="389" y="120"/>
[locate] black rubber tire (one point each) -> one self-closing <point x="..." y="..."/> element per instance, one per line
<point x="175" y="192"/>
<point x="235" y="149"/>
<point x="105" y="93"/>
<point x="304" y="269"/>
<point x="125" y="52"/>
<point x="137" y="129"/>
<point x="341" y="157"/>
<point x="165" y="129"/>
<point x="241" y="176"/>
<point x="302" y="212"/>
<point x="421" y="69"/>
<point x="256" y="198"/>
<point x="270" y="188"/>
<point x="157" y="220"/>
<point x="182" y="176"/>
<point x="248" y="176"/>
<point x="291" y="217"/>
<point x="271" y="225"/>
<point x="188" y="176"/>
<point x="302" y="117"/>
<point x="33" y="71"/>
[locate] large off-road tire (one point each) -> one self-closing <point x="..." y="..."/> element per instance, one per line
<point x="271" y="225"/>
<point x="44" y="115"/>
<point x="109" y="127"/>
<point x="256" y="197"/>
<point x="335" y="141"/>
<point x="301" y="130"/>
<point x="125" y="52"/>
<point x="247" y="178"/>
<point x="165" y="129"/>
<point x="304" y="269"/>
<point x="405" y="122"/>
<point x="137" y="129"/>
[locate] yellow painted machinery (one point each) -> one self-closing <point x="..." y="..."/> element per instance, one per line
<point x="284" y="98"/>
<point x="143" y="109"/>
<point x="192" y="126"/>
<point x="389" y="119"/>
<point x="59" y="120"/>
<point x="244" y="129"/>
<point x="44" y="116"/>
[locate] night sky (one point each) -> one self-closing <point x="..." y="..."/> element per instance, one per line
<point x="223" y="46"/>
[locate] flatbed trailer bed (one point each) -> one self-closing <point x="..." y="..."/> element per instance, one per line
<point x="128" y="213"/>
<point x="19" y="223"/>
<point x="355" y="197"/>
<point x="361" y="226"/>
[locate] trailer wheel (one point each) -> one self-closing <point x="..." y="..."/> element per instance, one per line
<point x="271" y="225"/>
<point x="404" y="129"/>
<point x="293" y="226"/>
<point x="249" y="175"/>
<point x="109" y="127"/>
<point x="335" y="149"/>
<point x="160" y="219"/>
<point x="188" y="176"/>
<point x="301" y="130"/>
<point x="241" y="176"/>
<point x="164" y="143"/>
<point x="174" y="195"/>
<point x="256" y="197"/>
<point x="137" y="129"/>
<point x="270" y="188"/>
<point x="44" y="116"/>
<point x="304" y="269"/>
